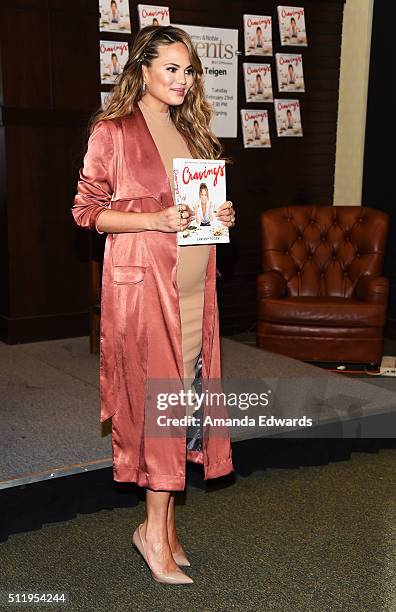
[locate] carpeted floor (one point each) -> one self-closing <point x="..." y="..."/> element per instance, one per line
<point x="313" y="539"/>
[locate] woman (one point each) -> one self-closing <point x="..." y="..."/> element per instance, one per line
<point x="159" y="315"/>
<point x="259" y="85"/>
<point x="204" y="209"/>
<point x="293" y="29"/>
<point x="291" y="79"/>
<point x="115" y="16"/>
<point x="259" y="38"/>
<point x="115" y="65"/>
<point x="256" y="130"/>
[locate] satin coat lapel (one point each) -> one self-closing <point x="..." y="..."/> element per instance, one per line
<point x="150" y="170"/>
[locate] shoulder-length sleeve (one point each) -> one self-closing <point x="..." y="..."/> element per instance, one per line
<point x="96" y="178"/>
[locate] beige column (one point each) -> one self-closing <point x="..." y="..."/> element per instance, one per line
<point x="351" y="124"/>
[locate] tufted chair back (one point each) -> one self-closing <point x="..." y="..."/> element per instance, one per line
<point x="323" y="250"/>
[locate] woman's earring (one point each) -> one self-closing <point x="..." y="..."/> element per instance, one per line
<point x="144" y="86"/>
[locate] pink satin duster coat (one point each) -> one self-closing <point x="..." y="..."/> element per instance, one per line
<point x="140" y="335"/>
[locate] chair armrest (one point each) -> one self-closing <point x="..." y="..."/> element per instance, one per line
<point x="271" y="284"/>
<point x="373" y="289"/>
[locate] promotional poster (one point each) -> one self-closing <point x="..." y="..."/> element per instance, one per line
<point x="258" y="34"/>
<point x="201" y="185"/>
<point x="114" y="16"/>
<point x="113" y="57"/>
<point x="258" y="82"/>
<point x="292" y="25"/>
<point x="288" y="117"/>
<point x="289" y="69"/>
<point x="255" y="128"/>
<point x="104" y="96"/>
<point x="153" y="15"/>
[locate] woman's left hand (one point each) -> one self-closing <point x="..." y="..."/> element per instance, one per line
<point x="226" y="214"/>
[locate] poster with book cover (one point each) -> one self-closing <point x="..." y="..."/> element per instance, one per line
<point x="258" y="34"/>
<point x="288" y="117"/>
<point x="255" y="128"/>
<point x="292" y="25"/>
<point x="113" y="57"/>
<point x="201" y="185"/>
<point x="114" y="16"/>
<point x="104" y="98"/>
<point x="153" y="15"/>
<point x="258" y="82"/>
<point x="289" y="69"/>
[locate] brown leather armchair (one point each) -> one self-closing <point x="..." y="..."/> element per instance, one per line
<point x="321" y="296"/>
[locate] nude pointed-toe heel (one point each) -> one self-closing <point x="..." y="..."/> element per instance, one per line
<point x="181" y="558"/>
<point x="175" y="577"/>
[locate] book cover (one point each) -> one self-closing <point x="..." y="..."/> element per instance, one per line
<point x="114" y="16"/>
<point x="201" y="185"/>
<point x="288" y="117"/>
<point x="258" y="82"/>
<point x="255" y="128"/>
<point x="104" y="98"/>
<point x="289" y="69"/>
<point x="113" y="57"/>
<point x="292" y="25"/>
<point x="153" y="15"/>
<point x="258" y="34"/>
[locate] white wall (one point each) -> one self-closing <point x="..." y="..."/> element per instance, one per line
<point x="355" y="59"/>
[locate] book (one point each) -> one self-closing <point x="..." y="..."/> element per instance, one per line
<point x="201" y="185"/>
<point x="113" y="57"/>
<point x="289" y="69"/>
<point x="114" y="16"/>
<point x="255" y="128"/>
<point x="258" y="34"/>
<point x="292" y="25"/>
<point x="104" y="98"/>
<point x="153" y="15"/>
<point x="258" y="82"/>
<point x="288" y="117"/>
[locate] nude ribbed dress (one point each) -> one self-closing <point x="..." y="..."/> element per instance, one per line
<point x="192" y="260"/>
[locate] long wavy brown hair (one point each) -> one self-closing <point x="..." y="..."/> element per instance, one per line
<point x="191" y="118"/>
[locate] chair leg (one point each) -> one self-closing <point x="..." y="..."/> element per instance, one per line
<point x="373" y="367"/>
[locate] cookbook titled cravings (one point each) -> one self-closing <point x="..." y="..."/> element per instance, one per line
<point x="200" y="184"/>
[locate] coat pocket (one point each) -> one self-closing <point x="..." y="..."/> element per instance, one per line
<point x="126" y="275"/>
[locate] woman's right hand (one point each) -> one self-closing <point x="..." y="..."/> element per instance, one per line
<point x="168" y="220"/>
